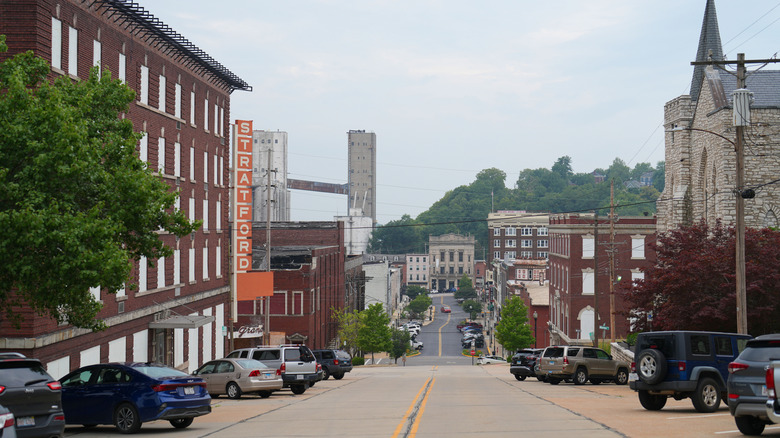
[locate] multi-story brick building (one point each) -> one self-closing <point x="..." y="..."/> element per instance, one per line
<point x="177" y="312"/>
<point x="700" y="144"/>
<point x="577" y="289"/>
<point x="307" y="260"/>
<point x="451" y="256"/>
<point x="418" y="267"/>
<point x="518" y="235"/>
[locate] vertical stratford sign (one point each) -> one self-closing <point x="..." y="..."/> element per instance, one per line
<point x="247" y="285"/>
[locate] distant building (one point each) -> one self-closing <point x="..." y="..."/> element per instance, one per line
<point x="646" y="179"/>
<point x="451" y="256"/>
<point x="362" y="171"/>
<point x="417" y="268"/>
<point x="275" y="143"/>
<point x="357" y="231"/>
<point x="572" y="282"/>
<point x="518" y="234"/>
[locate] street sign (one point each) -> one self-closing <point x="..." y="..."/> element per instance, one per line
<point x="604" y="327"/>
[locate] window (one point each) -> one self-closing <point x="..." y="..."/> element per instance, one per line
<point x="452" y="269"/>
<point x="452" y="256"/>
<point x="527" y="231"/>
<point x="206" y="215"/>
<point x="723" y="346"/>
<point x="73" y="51"/>
<point x="97" y="54"/>
<point x="511" y="243"/>
<point x="541" y="231"/>
<point x="587" y="247"/>
<point x="216" y="119"/>
<point x="206" y="262"/>
<point x="161" y="272"/>
<point x="161" y="155"/>
<point x="192" y="108"/>
<point x="496" y="254"/>
<point x="460" y="269"/>
<point x="205" y="167"/>
<point x="216" y="169"/>
<point x="142" y="274"/>
<point x="526" y="243"/>
<point x="191" y="211"/>
<point x="588" y="281"/>
<point x="526" y="254"/>
<point x="497" y="243"/>
<point x="123" y="68"/>
<point x="144" y="148"/>
<point x="192" y="163"/>
<point x="219" y="216"/>
<point x="206" y="115"/>
<point x="411" y="277"/>
<point x="542" y="243"/>
<point x="509" y="255"/>
<point x="542" y="254"/>
<point x="144" y="94"/>
<point x="511" y="231"/>
<point x="177" y="101"/>
<point x="637" y="247"/>
<point x="176" y="266"/>
<point x="496" y="231"/>
<point x="177" y="159"/>
<point x="191" y="261"/>
<point x="441" y="270"/>
<point x="161" y="95"/>
<point x="700" y="345"/>
<point x="95" y="291"/>
<point x="56" y="43"/>
<point x="460" y="257"/>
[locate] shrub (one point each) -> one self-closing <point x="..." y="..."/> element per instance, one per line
<point x="356" y="361"/>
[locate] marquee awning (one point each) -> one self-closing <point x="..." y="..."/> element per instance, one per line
<point x="182" y="322"/>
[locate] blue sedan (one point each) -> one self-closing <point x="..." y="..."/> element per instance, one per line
<point x="130" y="393"/>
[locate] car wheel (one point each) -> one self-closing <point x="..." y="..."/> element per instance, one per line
<point x="541" y="378"/>
<point x="595" y="381"/>
<point x="580" y="376"/>
<point x="264" y="394"/>
<point x="707" y="395"/>
<point x="232" y="390"/>
<point x="621" y="378"/>
<point x="325" y="374"/>
<point x="749" y="425"/>
<point x="651" y="366"/>
<point x="651" y="402"/>
<point x="338" y="376"/>
<point x="553" y="381"/>
<point x="181" y="423"/>
<point x="126" y="418"/>
<point x="519" y="377"/>
<point x="298" y="389"/>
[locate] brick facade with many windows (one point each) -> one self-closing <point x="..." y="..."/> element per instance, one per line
<point x="518" y="235"/>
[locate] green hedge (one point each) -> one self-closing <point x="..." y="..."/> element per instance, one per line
<point x="356" y="361"/>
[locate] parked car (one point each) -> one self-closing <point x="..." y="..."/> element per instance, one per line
<point x="582" y="364"/>
<point x="487" y="360"/>
<point x="468" y="324"/>
<point x="446" y="309"/>
<point x="524" y="363"/>
<point x="478" y="340"/>
<point x="415" y="344"/>
<point x="32" y="396"/>
<point x="684" y="364"/>
<point x="235" y="377"/>
<point x="127" y="394"/>
<point x="747" y="383"/>
<point x="7" y="427"/>
<point x="334" y="363"/>
<point x="772" y="378"/>
<point x="296" y="363"/>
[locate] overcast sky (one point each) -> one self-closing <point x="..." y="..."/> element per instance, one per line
<point x="454" y="87"/>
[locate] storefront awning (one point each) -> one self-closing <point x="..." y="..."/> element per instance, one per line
<point x="181" y="322"/>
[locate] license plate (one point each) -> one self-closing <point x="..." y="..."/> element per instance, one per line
<point x="25" y="421"/>
<point x="633" y="377"/>
<point x="299" y="377"/>
<point x="189" y="390"/>
<point x="268" y="376"/>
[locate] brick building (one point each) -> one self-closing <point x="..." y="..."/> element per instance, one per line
<point x="518" y="234"/>
<point x="307" y="259"/>
<point x="418" y="267"/>
<point x="176" y="314"/>
<point x="575" y="284"/>
<point x="451" y="256"/>
<point x="700" y="143"/>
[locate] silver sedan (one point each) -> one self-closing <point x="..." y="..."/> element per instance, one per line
<point x="237" y="376"/>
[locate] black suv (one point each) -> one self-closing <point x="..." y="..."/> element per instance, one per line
<point x="32" y="395"/>
<point x="334" y="363"/>
<point x="747" y="383"/>
<point x="524" y="362"/>
<point x="682" y="364"/>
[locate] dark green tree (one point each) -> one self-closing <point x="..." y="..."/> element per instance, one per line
<point x="400" y="343"/>
<point x="348" y="326"/>
<point x="418" y="306"/>
<point x="472" y="307"/>
<point x="412" y="291"/>
<point x="659" y="177"/>
<point x="397" y="237"/>
<point x="77" y="205"/>
<point x="374" y="333"/>
<point x="513" y="331"/>
<point x="465" y="288"/>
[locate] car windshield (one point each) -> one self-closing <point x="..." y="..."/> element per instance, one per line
<point x="158" y="372"/>
<point x="23" y="372"/>
<point x="251" y="364"/>
<point x="762" y="351"/>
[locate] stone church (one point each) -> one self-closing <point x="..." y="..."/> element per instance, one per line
<point x="700" y="142"/>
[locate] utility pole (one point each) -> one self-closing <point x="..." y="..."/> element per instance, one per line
<point x="268" y="247"/>
<point x="612" y="261"/>
<point x="739" y="123"/>
<point x="596" y="278"/>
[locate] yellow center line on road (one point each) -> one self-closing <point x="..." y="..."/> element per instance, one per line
<point x="409" y="411"/>
<point x="449" y="315"/>
<point x="413" y="432"/>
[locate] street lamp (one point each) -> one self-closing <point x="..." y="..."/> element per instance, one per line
<point x="536" y="315"/>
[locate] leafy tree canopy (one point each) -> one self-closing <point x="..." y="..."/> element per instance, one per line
<point x="472" y="307"/>
<point x="419" y="305"/>
<point x="465" y="288"/>
<point x="412" y="291"/>
<point x="76" y="203"/>
<point x="400" y="343"/>
<point x="693" y="286"/>
<point x="374" y="333"/>
<point x="348" y="325"/>
<point x="513" y="331"/>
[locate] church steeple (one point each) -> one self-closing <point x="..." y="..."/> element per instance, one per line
<point x="709" y="44"/>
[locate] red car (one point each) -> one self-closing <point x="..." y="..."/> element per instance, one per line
<point x="445" y="309"/>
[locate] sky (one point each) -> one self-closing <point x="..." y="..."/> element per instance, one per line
<point x="454" y="87"/>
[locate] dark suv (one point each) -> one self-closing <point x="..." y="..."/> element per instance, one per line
<point x="523" y="363"/>
<point x="334" y="363"/>
<point x="683" y="364"/>
<point x="32" y="395"/>
<point x="747" y="383"/>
